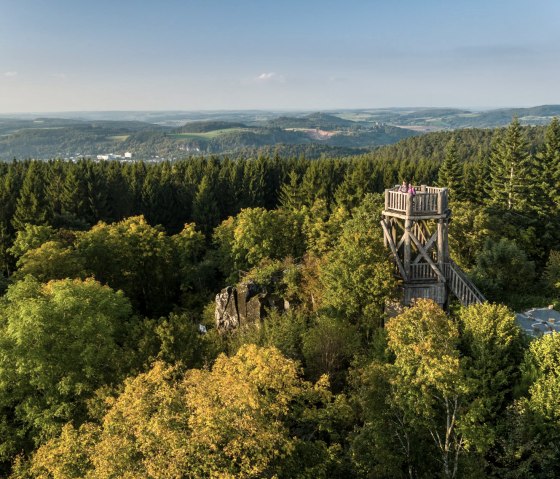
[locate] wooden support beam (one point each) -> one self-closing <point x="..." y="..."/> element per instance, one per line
<point x="394" y="250"/>
<point x="441" y="243"/>
<point x="400" y="243"/>
<point x="425" y="255"/>
<point x="407" y="249"/>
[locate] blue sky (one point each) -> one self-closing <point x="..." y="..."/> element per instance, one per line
<point x="61" y="55"/>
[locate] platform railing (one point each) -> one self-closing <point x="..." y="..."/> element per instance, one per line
<point x="427" y="201"/>
<point x="422" y="271"/>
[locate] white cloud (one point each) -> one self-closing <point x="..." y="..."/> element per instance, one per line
<point x="268" y="77"/>
<point x="10" y="74"/>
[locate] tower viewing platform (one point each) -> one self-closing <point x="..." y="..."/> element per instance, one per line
<point x="428" y="202"/>
<point x="415" y="228"/>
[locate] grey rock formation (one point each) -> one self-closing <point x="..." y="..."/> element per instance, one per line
<point x="243" y="304"/>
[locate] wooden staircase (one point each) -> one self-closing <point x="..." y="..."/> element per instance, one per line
<point x="461" y="286"/>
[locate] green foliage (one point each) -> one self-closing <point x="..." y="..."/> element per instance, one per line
<point x="357" y="276"/>
<point x="551" y="275"/>
<point x="175" y="339"/>
<point x="320" y="252"/>
<point x="30" y="237"/>
<point x="31" y="205"/>
<point x="290" y="196"/>
<point x="502" y="269"/>
<point x="284" y="331"/>
<point x="133" y="256"/>
<point x="51" y="260"/>
<point x="329" y="347"/>
<point x="427" y="385"/>
<point x="534" y="434"/>
<point x="509" y="169"/>
<point x="60" y="342"/>
<point x="468" y="232"/>
<point x="232" y="421"/>
<point x="256" y="234"/>
<point x="385" y="445"/>
<point x="322" y="229"/>
<point x="549" y="163"/>
<point x="189" y="248"/>
<point x="451" y="173"/>
<point x="492" y="346"/>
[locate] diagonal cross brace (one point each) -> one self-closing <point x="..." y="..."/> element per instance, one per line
<point x="389" y="239"/>
<point x="429" y="244"/>
<point x="427" y="257"/>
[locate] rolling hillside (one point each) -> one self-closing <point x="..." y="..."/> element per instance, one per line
<point x="156" y="135"/>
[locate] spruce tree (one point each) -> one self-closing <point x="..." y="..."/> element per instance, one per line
<point x="290" y="196"/>
<point x="549" y="163"/>
<point x="31" y="206"/>
<point x="206" y="213"/>
<point x="451" y="172"/>
<point x="510" y="169"/>
<point x="73" y="210"/>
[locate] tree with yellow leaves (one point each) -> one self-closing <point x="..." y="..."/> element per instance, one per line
<point x="237" y="420"/>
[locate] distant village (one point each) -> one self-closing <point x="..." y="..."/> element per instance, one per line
<point x="112" y="156"/>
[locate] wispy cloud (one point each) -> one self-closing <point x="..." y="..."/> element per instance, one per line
<point x="269" y="77"/>
<point x="10" y="74"/>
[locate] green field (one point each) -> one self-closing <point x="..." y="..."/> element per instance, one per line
<point x="207" y="135"/>
<point x="118" y="137"/>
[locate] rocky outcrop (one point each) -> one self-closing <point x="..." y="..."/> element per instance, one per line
<point x="243" y="304"/>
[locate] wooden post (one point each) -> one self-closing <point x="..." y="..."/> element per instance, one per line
<point x="446" y="240"/>
<point x="387" y="199"/>
<point x="441" y="243"/>
<point x="407" y="240"/>
<point x="409" y="203"/>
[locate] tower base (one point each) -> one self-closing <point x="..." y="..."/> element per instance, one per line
<point x="434" y="291"/>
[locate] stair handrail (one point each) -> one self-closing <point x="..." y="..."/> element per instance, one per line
<point x="475" y="295"/>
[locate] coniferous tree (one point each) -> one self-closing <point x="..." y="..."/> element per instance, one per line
<point x="31" y="206"/>
<point x="254" y="184"/>
<point x="291" y="197"/>
<point x="97" y="202"/>
<point x="510" y="169"/>
<point x="73" y="211"/>
<point x="54" y="185"/>
<point x="206" y="213"/>
<point x="549" y="163"/>
<point x="451" y="172"/>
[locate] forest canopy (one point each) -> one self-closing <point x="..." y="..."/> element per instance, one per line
<point x="111" y="364"/>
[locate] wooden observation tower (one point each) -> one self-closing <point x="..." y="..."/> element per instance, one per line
<point x="415" y="229"/>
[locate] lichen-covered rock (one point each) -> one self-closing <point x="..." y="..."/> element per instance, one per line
<point x="243" y="304"/>
<point x="226" y="313"/>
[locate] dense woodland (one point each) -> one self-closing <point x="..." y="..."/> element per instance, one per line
<point x="109" y="270"/>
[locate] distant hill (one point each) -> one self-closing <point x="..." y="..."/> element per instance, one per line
<point x="448" y="118"/>
<point x="208" y="125"/>
<point x="179" y="134"/>
<point x="321" y="121"/>
<point x="45" y="138"/>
